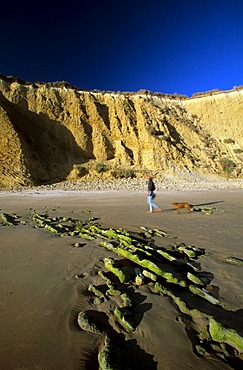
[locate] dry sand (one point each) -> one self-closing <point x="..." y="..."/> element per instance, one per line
<point x="44" y="279"/>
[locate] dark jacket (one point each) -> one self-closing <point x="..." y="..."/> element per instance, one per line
<point x="151" y="186"/>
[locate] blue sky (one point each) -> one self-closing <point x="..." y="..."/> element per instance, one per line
<point x="167" y="46"/>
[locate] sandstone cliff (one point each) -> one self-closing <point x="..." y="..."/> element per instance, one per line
<point x="53" y="131"/>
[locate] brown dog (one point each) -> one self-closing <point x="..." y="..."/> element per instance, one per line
<point x="179" y="206"/>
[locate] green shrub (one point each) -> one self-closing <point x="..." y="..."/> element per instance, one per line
<point x="228" y="165"/>
<point x="124" y="173"/>
<point x="81" y="171"/>
<point x="100" y="167"/>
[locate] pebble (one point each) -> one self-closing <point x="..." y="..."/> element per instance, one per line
<point x="162" y="183"/>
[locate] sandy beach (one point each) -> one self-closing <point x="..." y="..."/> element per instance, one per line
<point x="45" y="280"/>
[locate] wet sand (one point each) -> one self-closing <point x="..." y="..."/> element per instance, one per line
<point x="44" y="279"/>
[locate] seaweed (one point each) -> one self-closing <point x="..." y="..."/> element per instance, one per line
<point x="224" y="335"/>
<point x="204" y="294"/>
<point x="86" y="324"/>
<point x="112" y="357"/>
<point x="110" y="265"/>
<point x="121" y="316"/>
<point x="194" y="279"/>
<point x="96" y="291"/>
<point x="7" y="219"/>
<point x="234" y="261"/>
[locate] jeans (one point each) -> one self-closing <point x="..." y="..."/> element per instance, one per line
<point x="151" y="203"/>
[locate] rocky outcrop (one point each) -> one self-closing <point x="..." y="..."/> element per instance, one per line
<point x="52" y="132"/>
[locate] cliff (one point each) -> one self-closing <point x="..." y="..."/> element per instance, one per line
<point x="53" y="131"/>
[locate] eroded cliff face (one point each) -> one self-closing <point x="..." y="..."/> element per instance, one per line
<point x="221" y="115"/>
<point x="52" y="132"/>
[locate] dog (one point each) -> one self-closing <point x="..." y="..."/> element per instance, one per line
<point x="179" y="206"/>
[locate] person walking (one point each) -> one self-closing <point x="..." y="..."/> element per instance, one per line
<point x="151" y="195"/>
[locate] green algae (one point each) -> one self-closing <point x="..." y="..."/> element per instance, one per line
<point x="204" y="294"/>
<point x="111" y="356"/>
<point x="111" y="289"/>
<point x="149" y="275"/>
<point x="151" y="232"/>
<point x="122" y="231"/>
<point x="44" y="221"/>
<point x="51" y="229"/>
<point x="7" y="220"/>
<point x="205" y="210"/>
<point x="108" y="245"/>
<point x="124" y="238"/>
<point x="148" y="254"/>
<point x="85" y="323"/>
<point x="109" y="264"/>
<point x="194" y="279"/>
<point x="223" y="335"/>
<point x="105" y="278"/>
<point x="210" y="328"/>
<point x="151" y="266"/>
<point x="166" y="255"/>
<point x="126" y="324"/>
<point x="96" y="291"/>
<point x="234" y="261"/>
<point x="127" y="245"/>
<point x="127" y="302"/>
<point x="104" y="355"/>
<point x="110" y="233"/>
<point x="85" y="235"/>
<point x="190" y="253"/>
<point x="194" y="313"/>
<point x="161" y="233"/>
<point x="40" y="217"/>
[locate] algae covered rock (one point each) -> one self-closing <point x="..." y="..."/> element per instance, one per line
<point x="110" y="265"/>
<point x="204" y="294"/>
<point x="150" y="275"/>
<point x="122" y="319"/>
<point x="194" y="279"/>
<point x="96" y="291"/>
<point x="7" y="220"/>
<point x="104" y="356"/>
<point x="223" y="335"/>
<point x="127" y="302"/>
<point x="234" y="261"/>
<point x="111" y="357"/>
<point x="86" y="324"/>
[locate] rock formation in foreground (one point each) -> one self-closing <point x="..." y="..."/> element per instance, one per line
<point x="53" y="131"/>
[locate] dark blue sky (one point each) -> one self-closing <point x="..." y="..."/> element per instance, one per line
<point x="167" y="46"/>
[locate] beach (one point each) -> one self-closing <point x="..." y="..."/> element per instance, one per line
<point x="45" y="279"/>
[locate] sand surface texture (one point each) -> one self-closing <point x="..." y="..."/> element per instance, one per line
<point x="47" y="280"/>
